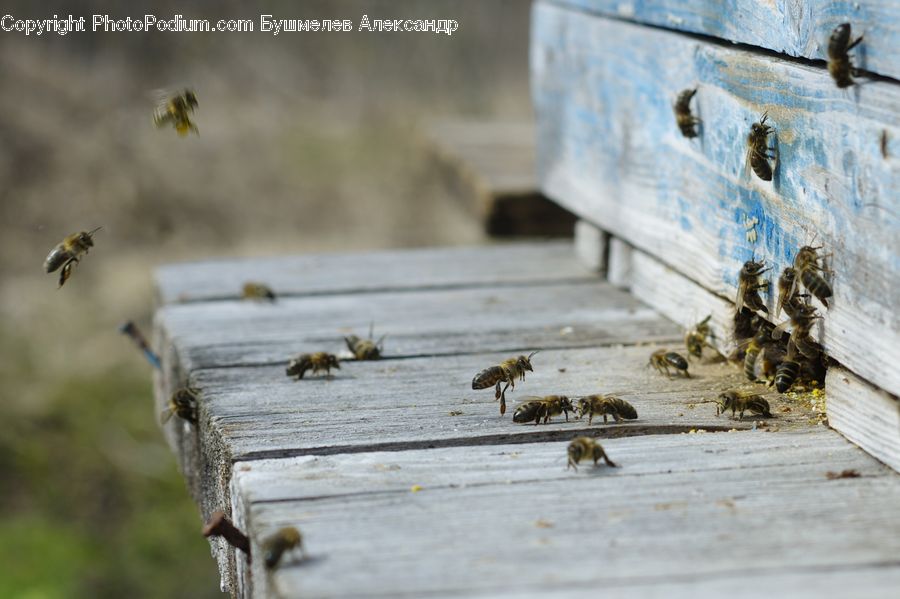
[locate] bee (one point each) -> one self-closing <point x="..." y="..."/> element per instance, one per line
<point x="687" y="122"/>
<point x="257" y="291"/>
<point x="183" y="403"/>
<point x="698" y="337"/>
<point x="586" y="447"/>
<point x="839" y="65"/>
<point x="365" y="349"/>
<point x="176" y="110"/>
<point x="543" y="408"/>
<point x="760" y="340"/>
<point x="738" y="402"/>
<point x="68" y="253"/>
<point x="766" y="366"/>
<point x="607" y="405"/>
<point x="788" y="370"/>
<point x="745" y="325"/>
<point x="787" y="287"/>
<point x="316" y="362"/>
<point x="506" y="372"/>
<point x="806" y="263"/>
<point x="758" y="151"/>
<point x="749" y="286"/>
<point x="663" y="359"/>
<point x="276" y="545"/>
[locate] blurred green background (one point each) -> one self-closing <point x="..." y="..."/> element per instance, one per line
<point x="308" y="142"/>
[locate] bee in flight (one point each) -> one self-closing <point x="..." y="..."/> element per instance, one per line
<point x="182" y="403"/>
<point x="67" y="253"/>
<point x="365" y="349"/>
<point x="749" y="285"/>
<point x="806" y="263"/>
<point x="257" y="291"/>
<point x="697" y="337"/>
<point x="606" y="405"/>
<point x="663" y="359"/>
<point x="176" y="110"/>
<point x="741" y="402"/>
<point x="505" y="372"/>
<point x="686" y="120"/>
<point x="758" y="151"/>
<point x="543" y="408"/>
<point x="586" y="447"/>
<point x="839" y="65"/>
<point x="276" y="545"/>
<point x="316" y="362"/>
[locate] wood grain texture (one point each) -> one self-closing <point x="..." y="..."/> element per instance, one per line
<point x="864" y="414"/>
<point x="618" y="267"/>
<point x="610" y="151"/>
<point x="590" y="245"/>
<point x="800" y="29"/>
<point x="699" y="512"/>
<point x="501" y="264"/>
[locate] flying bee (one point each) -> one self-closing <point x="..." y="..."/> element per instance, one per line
<point x="788" y="370"/>
<point x="839" y="65"/>
<point x="543" y="408"/>
<point x="586" y="447"/>
<point x="740" y="402"/>
<point x="759" y="340"/>
<point x="749" y="285"/>
<point x="606" y="405"/>
<point x="316" y="362"/>
<point x="698" y="337"/>
<point x="276" y="545"/>
<point x="365" y="349"/>
<point x="806" y="263"/>
<point x="758" y="150"/>
<point x="182" y="403"/>
<point x="257" y="291"/>
<point x="505" y="372"/>
<point x="686" y="120"/>
<point x="176" y="110"/>
<point x="663" y="359"/>
<point x="68" y="253"/>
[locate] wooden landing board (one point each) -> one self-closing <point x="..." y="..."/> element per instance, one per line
<point x="799" y="29"/>
<point x="705" y="514"/>
<point x="501" y="264"/>
<point x="610" y="151"/>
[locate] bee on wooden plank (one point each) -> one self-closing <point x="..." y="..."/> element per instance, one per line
<point x="761" y="339"/>
<point x="365" y="349"/>
<point x="176" y="110"/>
<point x="787" y="288"/>
<point x="802" y="322"/>
<point x="182" y="403"/>
<point x="316" y="362"/>
<point x="697" y="337"/>
<point x="586" y="447"/>
<point x="257" y="291"/>
<point x="543" y="408"/>
<point x="663" y="359"/>
<point x="505" y="372"/>
<point x="284" y="540"/>
<point x="806" y="263"/>
<point x="749" y="285"/>
<point x="68" y="252"/>
<point x="606" y="405"/>
<point x="758" y="150"/>
<point x="742" y="402"/>
<point x="745" y="324"/>
<point x="686" y="120"/>
<point x="839" y="65"/>
<point x="789" y="369"/>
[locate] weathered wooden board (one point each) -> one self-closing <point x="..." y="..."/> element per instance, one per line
<point x="864" y="414"/>
<point x="681" y="511"/>
<point x="590" y="245"/>
<point x="434" y="322"/>
<point x="798" y="29"/>
<point x="501" y="264"/>
<point x="610" y="151"/>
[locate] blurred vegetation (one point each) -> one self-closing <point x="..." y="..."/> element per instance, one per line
<point x="307" y="143"/>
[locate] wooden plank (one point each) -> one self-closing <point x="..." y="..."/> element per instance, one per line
<point x="501" y="264"/>
<point x="797" y="29"/>
<point x="612" y="154"/>
<point x="434" y="322"/>
<point x="490" y="165"/>
<point x="864" y="414"/>
<point x="590" y="245"/>
<point x="682" y="511"/>
<point x="618" y="270"/>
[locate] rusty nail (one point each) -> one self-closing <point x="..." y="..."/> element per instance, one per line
<point x="219" y="525"/>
